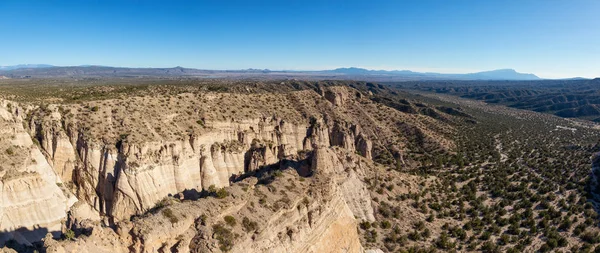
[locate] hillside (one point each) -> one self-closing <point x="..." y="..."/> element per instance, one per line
<point x="192" y="165"/>
<point x="564" y="98"/>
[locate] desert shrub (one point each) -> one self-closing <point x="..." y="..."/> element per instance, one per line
<point x="168" y="213"/>
<point x="69" y="234"/>
<point x="203" y="219"/>
<point x="249" y="225"/>
<point x="222" y="193"/>
<point x="431" y="218"/>
<point x="224" y="236"/>
<point x="443" y="242"/>
<point x="590" y="237"/>
<point x="365" y="225"/>
<point x="386" y="224"/>
<point x="489" y="246"/>
<point x="371" y="235"/>
<point x="230" y="220"/>
<point x="10" y="151"/>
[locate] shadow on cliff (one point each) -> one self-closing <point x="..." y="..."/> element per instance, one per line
<point x="25" y="240"/>
<point x="267" y="174"/>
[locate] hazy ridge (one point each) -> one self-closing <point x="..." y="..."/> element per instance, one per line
<point x="49" y="71"/>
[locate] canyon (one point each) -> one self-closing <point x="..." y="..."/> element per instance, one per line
<point x="65" y="172"/>
<point x="286" y="166"/>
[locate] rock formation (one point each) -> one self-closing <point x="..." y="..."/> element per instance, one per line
<point x="33" y="201"/>
<point x="118" y="178"/>
<point x="123" y="179"/>
<point x="318" y="215"/>
<point x="146" y="174"/>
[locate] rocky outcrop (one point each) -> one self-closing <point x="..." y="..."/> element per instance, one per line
<point x="59" y="161"/>
<point x="350" y="137"/>
<point x="314" y="215"/>
<point x="102" y="240"/>
<point x="122" y="179"/>
<point x="33" y="201"/>
<point x="198" y="162"/>
<point x="349" y="176"/>
<point x="261" y="154"/>
<point x="336" y="95"/>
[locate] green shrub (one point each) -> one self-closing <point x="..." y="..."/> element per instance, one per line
<point x="69" y="235"/>
<point x="224" y="236"/>
<point x="386" y="224"/>
<point x="371" y="236"/>
<point x="365" y="225"/>
<point x="230" y="220"/>
<point x="249" y="225"/>
<point x="443" y="242"/>
<point x="222" y="193"/>
<point x="590" y="237"/>
<point x="203" y="219"/>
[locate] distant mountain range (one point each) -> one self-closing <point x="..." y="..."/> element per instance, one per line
<point x="25" y="66"/>
<point x="49" y="71"/>
<point x="500" y="74"/>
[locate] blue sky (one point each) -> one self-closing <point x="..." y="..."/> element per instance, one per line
<point x="550" y="38"/>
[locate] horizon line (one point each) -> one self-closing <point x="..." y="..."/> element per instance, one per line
<point x="466" y="72"/>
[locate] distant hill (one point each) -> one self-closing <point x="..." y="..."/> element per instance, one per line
<point x="97" y="71"/>
<point x="500" y="74"/>
<point x="25" y="66"/>
<point x="49" y="71"/>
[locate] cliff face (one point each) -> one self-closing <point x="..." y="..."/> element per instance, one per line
<point x="32" y="202"/>
<point x="59" y="158"/>
<point x="124" y="179"/>
<point x="315" y="214"/>
<point x="125" y="158"/>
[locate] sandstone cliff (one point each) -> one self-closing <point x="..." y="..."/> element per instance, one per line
<point x="32" y="199"/>
<point x="314" y="214"/>
<point x="122" y="158"/>
<point x="124" y="179"/>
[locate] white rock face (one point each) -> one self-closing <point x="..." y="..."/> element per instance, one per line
<point x="347" y="174"/>
<point x="31" y="201"/>
<point x="126" y="179"/>
<point x="118" y="180"/>
<point x="155" y="170"/>
<point x="325" y="223"/>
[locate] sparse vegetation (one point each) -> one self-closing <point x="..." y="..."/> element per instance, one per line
<point x="224" y="236"/>
<point x="222" y="193"/>
<point x="450" y="175"/>
<point x="168" y="213"/>
<point x="230" y="220"/>
<point x="69" y="234"/>
<point x="10" y="151"/>
<point x="249" y="225"/>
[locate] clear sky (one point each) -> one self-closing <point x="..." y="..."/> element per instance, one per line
<point x="550" y="38"/>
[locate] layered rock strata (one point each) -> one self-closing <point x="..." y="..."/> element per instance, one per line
<point x="122" y="179"/>
<point x="314" y="215"/>
<point x="33" y="201"/>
